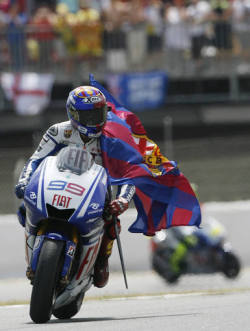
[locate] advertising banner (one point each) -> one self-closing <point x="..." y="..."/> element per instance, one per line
<point x="139" y="91"/>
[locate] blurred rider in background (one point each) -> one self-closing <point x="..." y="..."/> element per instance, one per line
<point x="87" y="113"/>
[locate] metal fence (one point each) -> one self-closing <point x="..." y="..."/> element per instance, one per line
<point x="71" y="53"/>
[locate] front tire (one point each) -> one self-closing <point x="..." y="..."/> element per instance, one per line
<point x="161" y="265"/>
<point x="46" y="280"/>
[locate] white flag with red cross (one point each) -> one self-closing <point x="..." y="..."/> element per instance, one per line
<point x="29" y="92"/>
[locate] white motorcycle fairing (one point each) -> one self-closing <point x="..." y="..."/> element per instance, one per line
<point x="68" y="187"/>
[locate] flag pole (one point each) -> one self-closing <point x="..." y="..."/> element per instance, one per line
<point x="117" y="234"/>
<point x="120" y="250"/>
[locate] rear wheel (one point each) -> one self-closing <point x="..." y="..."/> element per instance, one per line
<point x="71" y="309"/>
<point x="231" y="265"/>
<point x="46" y="280"/>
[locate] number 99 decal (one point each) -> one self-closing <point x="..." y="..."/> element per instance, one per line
<point x="60" y="185"/>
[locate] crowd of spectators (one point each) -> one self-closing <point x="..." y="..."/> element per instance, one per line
<point x="48" y="31"/>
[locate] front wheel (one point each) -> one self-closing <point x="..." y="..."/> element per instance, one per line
<point x="160" y="263"/>
<point x="46" y="280"/>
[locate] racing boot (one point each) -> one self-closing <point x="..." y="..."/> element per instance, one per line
<point x="101" y="269"/>
<point x="115" y="208"/>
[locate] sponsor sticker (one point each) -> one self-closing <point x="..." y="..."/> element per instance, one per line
<point x="71" y="250"/>
<point x="67" y="133"/>
<point x="32" y="195"/>
<point x="92" y="99"/>
<point x="61" y="200"/>
<point x="94" y="205"/>
<point x="95" y="211"/>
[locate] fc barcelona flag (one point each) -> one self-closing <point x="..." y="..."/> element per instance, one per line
<point x="164" y="197"/>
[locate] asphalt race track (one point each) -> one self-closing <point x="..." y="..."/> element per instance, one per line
<point x="172" y="309"/>
<point x="207" y="302"/>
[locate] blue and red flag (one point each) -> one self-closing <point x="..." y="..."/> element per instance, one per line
<point x="164" y="197"/>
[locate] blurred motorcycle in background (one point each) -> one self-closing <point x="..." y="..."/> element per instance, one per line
<point x="188" y="250"/>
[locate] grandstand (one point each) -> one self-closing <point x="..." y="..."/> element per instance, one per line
<point x="201" y="48"/>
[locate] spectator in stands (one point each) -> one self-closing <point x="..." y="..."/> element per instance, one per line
<point x="87" y="25"/>
<point x="221" y="16"/>
<point x="5" y="5"/>
<point x="241" y="26"/>
<point x="42" y="32"/>
<point x="66" y="42"/>
<point x="124" y="38"/>
<point x="16" y="19"/>
<point x="114" y="36"/>
<point x="72" y="5"/>
<point x="177" y="37"/>
<point x="198" y="13"/>
<point x="80" y="33"/>
<point x="135" y="26"/>
<point x="49" y="3"/>
<point x="153" y="12"/>
<point x="3" y="43"/>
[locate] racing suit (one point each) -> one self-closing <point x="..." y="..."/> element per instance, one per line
<point x="57" y="137"/>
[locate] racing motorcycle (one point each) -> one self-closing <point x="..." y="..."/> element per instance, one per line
<point x="187" y="250"/>
<point x="65" y="201"/>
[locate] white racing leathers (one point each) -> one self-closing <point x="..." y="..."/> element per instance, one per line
<point x="57" y="137"/>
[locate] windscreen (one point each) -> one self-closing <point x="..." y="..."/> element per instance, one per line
<point x="74" y="159"/>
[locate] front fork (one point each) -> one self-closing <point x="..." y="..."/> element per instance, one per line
<point x="34" y="243"/>
<point x="87" y="244"/>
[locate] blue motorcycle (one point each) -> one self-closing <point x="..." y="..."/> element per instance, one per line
<point x="188" y="250"/>
<point x="64" y="201"/>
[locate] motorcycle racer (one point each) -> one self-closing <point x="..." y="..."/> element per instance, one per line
<point x="209" y="247"/>
<point x="162" y="195"/>
<point x="87" y="113"/>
